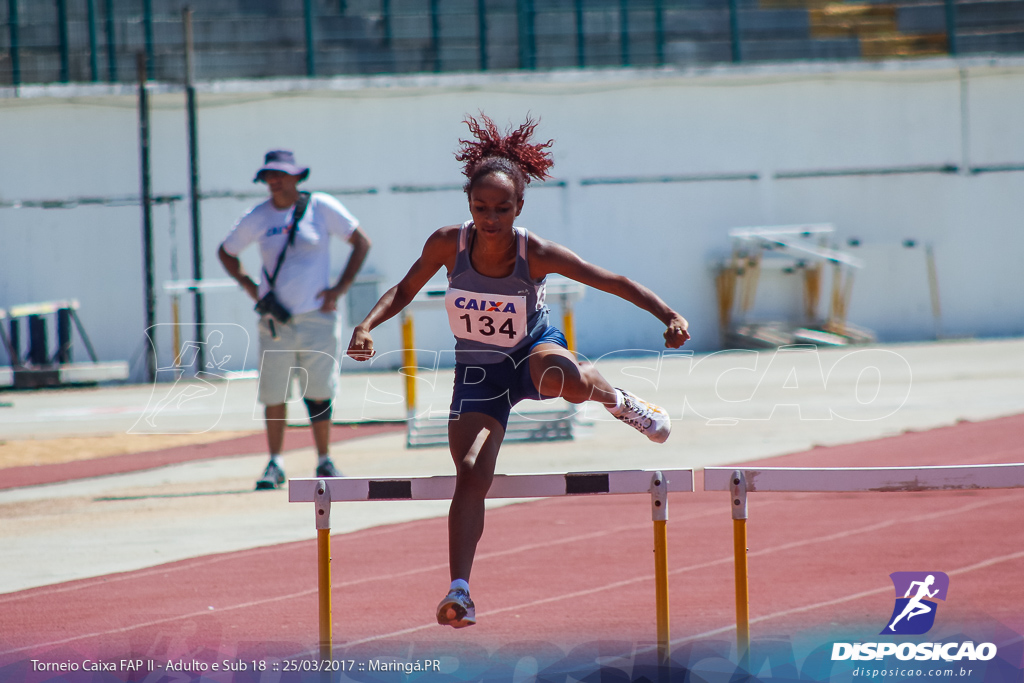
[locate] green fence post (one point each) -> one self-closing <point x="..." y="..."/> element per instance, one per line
<point x="734" y="31"/>
<point x="527" y="46"/>
<point x="435" y="35"/>
<point x="581" y="53"/>
<point x="62" y="37"/>
<point x="481" y="15"/>
<point x="94" y="65"/>
<point x="659" y="31"/>
<point x="310" y="46"/>
<point x="624" y="31"/>
<point x="531" y="32"/>
<point x="147" y="22"/>
<point x="12" y="13"/>
<point x="951" y="26"/>
<point x="111" y="44"/>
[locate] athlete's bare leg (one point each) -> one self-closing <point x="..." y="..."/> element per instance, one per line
<point x="474" y="440"/>
<point x="555" y="372"/>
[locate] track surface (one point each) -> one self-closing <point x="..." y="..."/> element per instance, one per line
<point x="560" y="576"/>
<point x="33" y="475"/>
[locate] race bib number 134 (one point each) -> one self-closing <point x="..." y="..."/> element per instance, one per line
<point x="495" y="319"/>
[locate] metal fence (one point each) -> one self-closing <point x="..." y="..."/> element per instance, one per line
<point x="47" y="41"/>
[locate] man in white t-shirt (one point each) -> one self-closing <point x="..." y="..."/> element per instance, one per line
<point x="302" y="333"/>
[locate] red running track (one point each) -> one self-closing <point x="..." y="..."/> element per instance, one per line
<point x="575" y="576"/>
<point x="295" y="438"/>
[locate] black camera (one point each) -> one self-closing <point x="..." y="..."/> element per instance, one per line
<point x="269" y="305"/>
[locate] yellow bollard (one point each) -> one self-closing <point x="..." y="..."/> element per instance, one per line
<point x="568" y="324"/>
<point x="409" y="363"/>
<point x="176" y="319"/>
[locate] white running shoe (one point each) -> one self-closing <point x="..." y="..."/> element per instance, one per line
<point x="273" y="477"/>
<point x="456" y="610"/>
<point x="650" y="420"/>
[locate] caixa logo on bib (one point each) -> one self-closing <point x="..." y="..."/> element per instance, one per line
<point x="914" y="613"/>
<point x="485" y="305"/>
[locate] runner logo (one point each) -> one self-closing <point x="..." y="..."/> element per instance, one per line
<point x="914" y="613"/>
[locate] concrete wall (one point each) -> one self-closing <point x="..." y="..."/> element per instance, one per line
<point x="928" y="151"/>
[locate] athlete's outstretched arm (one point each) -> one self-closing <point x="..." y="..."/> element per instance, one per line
<point x="550" y="257"/>
<point x="438" y="251"/>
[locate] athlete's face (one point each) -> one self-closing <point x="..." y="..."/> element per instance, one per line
<point x="493" y="204"/>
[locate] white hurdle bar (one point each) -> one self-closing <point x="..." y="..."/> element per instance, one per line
<point x="740" y="482"/>
<point x="657" y="483"/>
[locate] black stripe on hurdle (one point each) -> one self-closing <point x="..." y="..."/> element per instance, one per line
<point x="389" y="490"/>
<point x="586" y="483"/>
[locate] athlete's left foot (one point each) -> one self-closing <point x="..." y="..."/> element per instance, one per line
<point x="457" y="609"/>
<point x="650" y="420"/>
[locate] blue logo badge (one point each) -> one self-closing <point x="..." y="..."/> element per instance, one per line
<point x="914" y="613"/>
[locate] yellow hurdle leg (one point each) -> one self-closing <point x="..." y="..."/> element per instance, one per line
<point x="739" y="537"/>
<point x="661" y="586"/>
<point x="659" y="515"/>
<point x="322" y="509"/>
<point x="738" y="501"/>
<point x="323" y="538"/>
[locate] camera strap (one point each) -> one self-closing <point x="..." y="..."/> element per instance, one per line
<point x="300" y="210"/>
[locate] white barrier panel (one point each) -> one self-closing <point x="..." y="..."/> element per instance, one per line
<point x="504" y="485"/>
<point x="877" y="479"/>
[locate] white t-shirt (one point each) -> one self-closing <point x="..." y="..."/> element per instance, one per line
<point x="305" y="271"/>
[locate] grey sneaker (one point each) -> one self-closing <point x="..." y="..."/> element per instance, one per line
<point x="650" y="420"/>
<point x="456" y="610"/>
<point x="327" y="469"/>
<point x="272" y="477"/>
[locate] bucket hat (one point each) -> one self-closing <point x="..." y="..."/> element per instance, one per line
<point x="281" y="160"/>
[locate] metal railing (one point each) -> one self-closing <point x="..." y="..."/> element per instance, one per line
<point x="46" y="41"/>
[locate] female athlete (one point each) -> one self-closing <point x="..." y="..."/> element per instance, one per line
<point x="505" y="350"/>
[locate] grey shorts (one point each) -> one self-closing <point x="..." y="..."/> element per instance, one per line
<point x="305" y="348"/>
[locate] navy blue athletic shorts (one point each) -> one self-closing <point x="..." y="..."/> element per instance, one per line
<point x="493" y="389"/>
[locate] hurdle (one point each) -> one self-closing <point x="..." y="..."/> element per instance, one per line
<point x="40" y="368"/>
<point x="658" y="483"/>
<point x="178" y="287"/>
<point x="740" y="482"/>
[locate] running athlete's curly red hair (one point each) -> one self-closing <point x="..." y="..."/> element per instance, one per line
<point x="512" y="154"/>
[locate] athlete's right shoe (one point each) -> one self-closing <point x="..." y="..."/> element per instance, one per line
<point x="650" y="420"/>
<point x="456" y="610"/>
<point x="272" y="477"/>
<point x="327" y="469"/>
